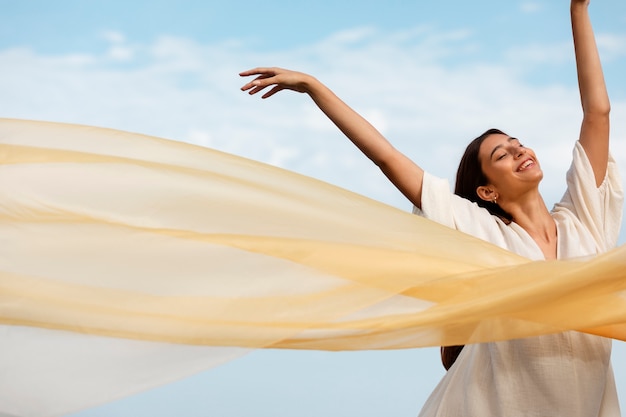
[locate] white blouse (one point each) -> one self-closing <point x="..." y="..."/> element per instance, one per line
<point x="565" y="374"/>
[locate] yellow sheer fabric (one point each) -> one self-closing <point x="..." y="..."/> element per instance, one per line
<point x="126" y="236"/>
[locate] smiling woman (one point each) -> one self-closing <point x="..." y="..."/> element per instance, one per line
<point x="497" y="199"/>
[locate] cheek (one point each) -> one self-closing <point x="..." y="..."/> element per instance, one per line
<point x="493" y="172"/>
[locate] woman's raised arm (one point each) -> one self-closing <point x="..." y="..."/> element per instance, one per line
<point x="401" y="171"/>
<point x="594" y="132"/>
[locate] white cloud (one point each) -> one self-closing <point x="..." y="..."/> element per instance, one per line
<point x="352" y="36"/>
<point x="200" y="137"/>
<point x="530" y="7"/>
<point x="113" y="36"/>
<point x="179" y="88"/>
<point x="611" y="46"/>
<point x="121" y="53"/>
<point x="543" y="54"/>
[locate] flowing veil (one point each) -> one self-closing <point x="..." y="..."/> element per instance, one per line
<point x="128" y="261"/>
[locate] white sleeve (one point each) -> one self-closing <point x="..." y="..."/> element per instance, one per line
<point x="442" y="206"/>
<point x="599" y="209"/>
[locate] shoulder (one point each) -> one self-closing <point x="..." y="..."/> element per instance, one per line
<point x="439" y="204"/>
<point x="588" y="210"/>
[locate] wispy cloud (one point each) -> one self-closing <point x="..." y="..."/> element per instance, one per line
<point x="402" y="81"/>
<point x="611" y="46"/>
<point x="530" y="7"/>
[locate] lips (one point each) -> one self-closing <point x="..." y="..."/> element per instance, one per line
<point x="526" y="164"/>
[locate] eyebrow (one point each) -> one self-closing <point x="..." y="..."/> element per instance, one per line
<point x="499" y="146"/>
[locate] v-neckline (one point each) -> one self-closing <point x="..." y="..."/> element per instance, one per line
<point x="537" y="248"/>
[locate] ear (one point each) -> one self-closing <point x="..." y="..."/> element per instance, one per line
<point x="487" y="193"/>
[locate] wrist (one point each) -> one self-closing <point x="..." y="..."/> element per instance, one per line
<point x="311" y="85"/>
<point x="579" y="5"/>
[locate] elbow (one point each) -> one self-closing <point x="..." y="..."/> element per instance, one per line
<point x="597" y="109"/>
<point x="387" y="161"/>
<point x="385" y="157"/>
<point x="597" y="115"/>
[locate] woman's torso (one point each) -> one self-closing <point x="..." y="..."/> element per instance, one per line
<point x="566" y="373"/>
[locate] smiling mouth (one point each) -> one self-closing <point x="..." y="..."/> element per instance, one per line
<point x="526" y="164"/>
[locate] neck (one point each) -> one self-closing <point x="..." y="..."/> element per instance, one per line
<point x="530" y="212"/>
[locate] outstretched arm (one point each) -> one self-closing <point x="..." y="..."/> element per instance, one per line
<point x="594" y="132"/>
<point x="401" y="171"/>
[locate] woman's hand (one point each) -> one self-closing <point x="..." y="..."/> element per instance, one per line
<point x="281" y="79"/>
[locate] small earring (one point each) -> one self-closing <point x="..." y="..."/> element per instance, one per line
<point x="495" y="200"/>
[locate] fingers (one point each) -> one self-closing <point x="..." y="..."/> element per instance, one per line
<point x="258" y="83"/>
<point x="273" y="91"/>
<point x="262" y="73"/>
<point x="280" y="79"/>
<point x="253" y="88"/>
<point x="258" y="71"/>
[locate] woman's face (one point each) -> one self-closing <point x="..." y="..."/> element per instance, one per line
<point x="510" y="168"/>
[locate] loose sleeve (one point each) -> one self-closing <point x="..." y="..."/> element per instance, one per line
<point x="442" y="206"/>
<point x="596" y="208"/>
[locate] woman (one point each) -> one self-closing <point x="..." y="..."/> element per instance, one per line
<point x="497" y="199"/>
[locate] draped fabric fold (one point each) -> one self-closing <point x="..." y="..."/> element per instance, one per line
<point x="117" y="246"/>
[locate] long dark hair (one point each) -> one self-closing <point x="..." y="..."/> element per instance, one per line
<point x="470" y="176"/>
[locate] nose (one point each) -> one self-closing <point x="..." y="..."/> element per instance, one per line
<point x="520" y="151"/>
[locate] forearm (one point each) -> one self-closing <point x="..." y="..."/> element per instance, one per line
<point x="365" y="136"/>
<point x="401" y="171"/>
<point x="594" y="131"/>
<point x="593" y="94"/>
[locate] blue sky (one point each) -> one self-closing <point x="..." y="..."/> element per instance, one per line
<point x="429" y="75"/>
